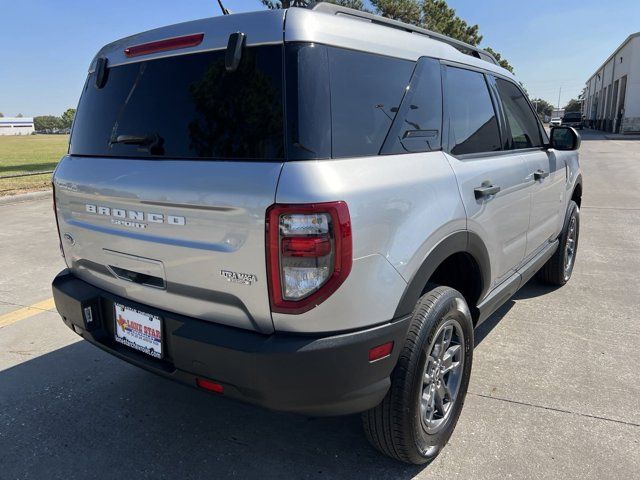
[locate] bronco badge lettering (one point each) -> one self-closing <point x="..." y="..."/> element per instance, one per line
<point x="130" y="218"/>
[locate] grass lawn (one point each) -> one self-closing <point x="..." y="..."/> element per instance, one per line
<point x="29" y="153"/>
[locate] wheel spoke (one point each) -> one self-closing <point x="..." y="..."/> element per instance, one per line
<point x="447" y="334"/>
<point x="447" y="390"/>
<point x="439" y="398"/>
<point x="428" y="378"/>
<point x="448" y="363"/>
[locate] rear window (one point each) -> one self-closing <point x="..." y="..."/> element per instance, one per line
<point x="298" y="101"/>
<point x="186" y="106"/>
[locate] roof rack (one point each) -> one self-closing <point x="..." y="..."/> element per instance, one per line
<point x="463" y="47"/>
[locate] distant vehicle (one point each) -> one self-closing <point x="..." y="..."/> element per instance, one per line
<point x="555" y="121"/>
<point x="289" y="214"/>
<point x="572" y="119"/>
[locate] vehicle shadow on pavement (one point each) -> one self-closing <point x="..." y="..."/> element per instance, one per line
<point x="485" y="328"/>
<point x="531" y="289"/>
<point x="77" y="412"/>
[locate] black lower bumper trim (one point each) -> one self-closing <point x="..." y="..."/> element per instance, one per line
<point x="314" y="375"/>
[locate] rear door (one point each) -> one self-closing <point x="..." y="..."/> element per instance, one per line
<point x="173" y="162"/>
<point x="492" y="181"/>
<point x="546" y="173"/>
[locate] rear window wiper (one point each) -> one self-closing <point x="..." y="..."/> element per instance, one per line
<point x="154" y="142"/>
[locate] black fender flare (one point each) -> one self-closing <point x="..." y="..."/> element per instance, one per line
<point x="459" y="242"/>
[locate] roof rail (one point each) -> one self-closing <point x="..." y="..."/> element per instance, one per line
<point x="463" y="47"/>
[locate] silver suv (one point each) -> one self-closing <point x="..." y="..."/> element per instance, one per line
<point x="309" y="210"/>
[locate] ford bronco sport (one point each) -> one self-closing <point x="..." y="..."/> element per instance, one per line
<point x="309" y="210"/>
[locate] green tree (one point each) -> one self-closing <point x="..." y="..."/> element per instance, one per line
<point x="47" y="122"/>
<point x="67" y="117"/>
<point x="437" y="16"/>
<point x="574" y="105"/>
<point x="434" y="15"/>
<point x="501" y="61"/>
<point x="1" y="114"/>
<point x="19" y="115"/>
<point x="542" y="107"/>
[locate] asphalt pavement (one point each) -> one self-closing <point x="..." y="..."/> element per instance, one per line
<point x="555" y="388"/>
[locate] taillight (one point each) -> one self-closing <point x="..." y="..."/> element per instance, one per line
<point x="309" y="254"/>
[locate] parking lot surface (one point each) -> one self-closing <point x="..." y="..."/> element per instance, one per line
<point x="555" y="387"/>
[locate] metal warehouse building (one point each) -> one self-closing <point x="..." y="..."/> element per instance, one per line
<point x="612" y="94"/>
<point x="16" y="126"/>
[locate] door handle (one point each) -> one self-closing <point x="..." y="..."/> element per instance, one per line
<point x="485" y="191"/>
<point x="540" y="174"/>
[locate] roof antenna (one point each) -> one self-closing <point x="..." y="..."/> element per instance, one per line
<point x="222" y="7"/>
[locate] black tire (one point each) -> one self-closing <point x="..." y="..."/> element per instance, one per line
<point x="557" y="271"/>
<point x="396" y="427"/>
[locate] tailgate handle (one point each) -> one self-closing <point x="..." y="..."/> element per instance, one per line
<point x="136" y="277"/>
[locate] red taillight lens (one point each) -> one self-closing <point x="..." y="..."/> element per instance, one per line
<point x="380" y="352"/>
<point x="306" y="246"/>
<point x="209" y="385"/>
<point x="164" y="45"/>
<point x="309" y="254"/>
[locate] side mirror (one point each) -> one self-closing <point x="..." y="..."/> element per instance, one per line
<point x="564" y="138"/>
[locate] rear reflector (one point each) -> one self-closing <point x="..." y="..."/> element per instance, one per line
<point x="380" y="352"/>
<point x="209" y="385"/>
<point x="164" y="45"/>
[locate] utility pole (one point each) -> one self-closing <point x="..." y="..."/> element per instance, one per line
<point x="559" y="93"/>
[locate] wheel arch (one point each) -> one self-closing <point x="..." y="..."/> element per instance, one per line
<point x="460" y="261"/>
<point x="576" y="194"/>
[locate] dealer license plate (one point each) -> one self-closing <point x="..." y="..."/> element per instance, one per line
<point x="139" y="330"/>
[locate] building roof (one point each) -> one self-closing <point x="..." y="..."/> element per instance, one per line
<point x="627" y="40"/>
<point x="15" y="120"/>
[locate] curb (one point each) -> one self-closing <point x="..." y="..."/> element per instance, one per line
<point x="622" y="137"/>
<point x="25" y="197"/>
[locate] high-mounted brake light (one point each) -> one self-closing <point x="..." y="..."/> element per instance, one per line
<point x="164" y="45"/>
<point x="309" y="254"/>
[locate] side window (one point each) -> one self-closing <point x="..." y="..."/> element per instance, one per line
<point x="473" y="127"/>
<point x="520" y="118"/>
<point x="418" y="123"/>
<point x="366" y="91"/>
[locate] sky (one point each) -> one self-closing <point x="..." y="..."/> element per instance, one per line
<point x="46" y="46"/>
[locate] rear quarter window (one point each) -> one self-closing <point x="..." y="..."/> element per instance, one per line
<point x="366" y="92"/>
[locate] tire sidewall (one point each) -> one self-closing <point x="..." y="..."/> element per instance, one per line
<point x="452" y="306"/>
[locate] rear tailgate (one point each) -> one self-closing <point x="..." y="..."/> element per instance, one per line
<point x="197" y="226"/>
<point x="173" y="162"/>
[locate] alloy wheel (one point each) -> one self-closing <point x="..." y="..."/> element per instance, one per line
<point x="442" y="376"/>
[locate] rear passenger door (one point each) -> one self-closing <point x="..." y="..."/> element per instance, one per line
<point x="492" y="180"/>
<point x="546" y="174"/>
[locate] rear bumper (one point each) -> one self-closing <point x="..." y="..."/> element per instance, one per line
<point x="314" y="375"/>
